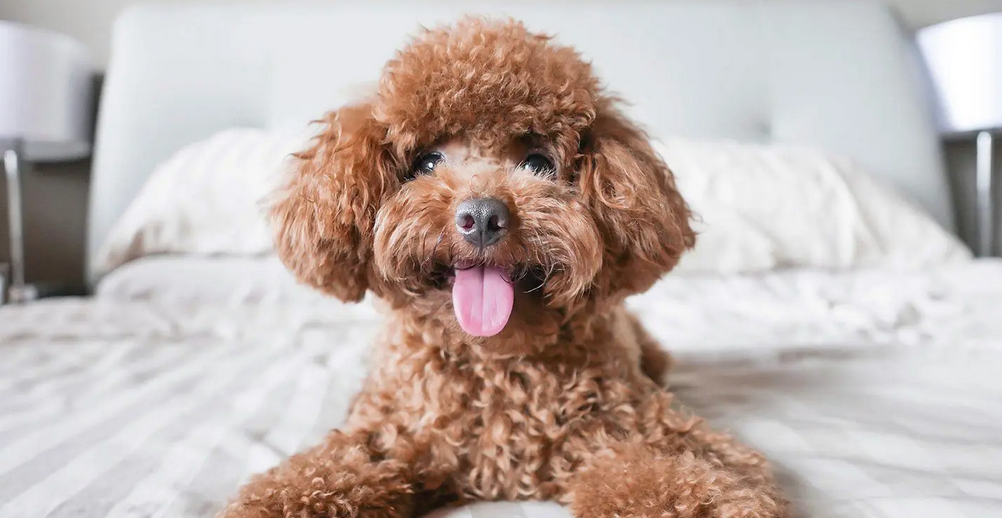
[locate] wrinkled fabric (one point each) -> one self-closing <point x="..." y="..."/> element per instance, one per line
<point x="874" y="393"/>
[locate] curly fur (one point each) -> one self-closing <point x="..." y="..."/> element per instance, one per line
<point x="566" y="403"/>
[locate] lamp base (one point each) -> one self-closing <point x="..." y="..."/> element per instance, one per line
<point x="22" y="294"/>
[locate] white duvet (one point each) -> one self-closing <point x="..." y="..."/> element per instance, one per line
<point x="874" y="393"/>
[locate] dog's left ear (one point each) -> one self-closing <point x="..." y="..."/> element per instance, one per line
<point x="631" y="193"/>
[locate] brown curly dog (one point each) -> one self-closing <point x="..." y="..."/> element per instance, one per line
<point x="492" y="195"/>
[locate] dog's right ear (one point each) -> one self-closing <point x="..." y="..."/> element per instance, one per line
<point x="325" y="214"/>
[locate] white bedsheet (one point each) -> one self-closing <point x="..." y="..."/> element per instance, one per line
<point x="875" y="394"/>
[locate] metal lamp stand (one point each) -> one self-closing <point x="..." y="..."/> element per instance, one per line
<point x="19" y="291"/>
<point x="983" y="180"/>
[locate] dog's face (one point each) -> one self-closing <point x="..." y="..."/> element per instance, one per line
<point x="489" y="183"/>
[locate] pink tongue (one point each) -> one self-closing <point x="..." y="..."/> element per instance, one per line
<point x="482" y="298"/>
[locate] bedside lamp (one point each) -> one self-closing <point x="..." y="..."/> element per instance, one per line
<point x="965" y="60"/>
<point x="46" y="83"/>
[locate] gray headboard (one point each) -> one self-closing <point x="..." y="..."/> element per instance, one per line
<point x="839" y="75"/>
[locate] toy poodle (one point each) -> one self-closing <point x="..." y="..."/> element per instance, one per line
<point x="494" y="198"/>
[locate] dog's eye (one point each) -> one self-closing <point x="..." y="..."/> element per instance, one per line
<point x="425" y="164"/>
<point x="539" y="164"/>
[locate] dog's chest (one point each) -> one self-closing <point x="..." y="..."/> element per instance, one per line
<point x="513" y="426"/>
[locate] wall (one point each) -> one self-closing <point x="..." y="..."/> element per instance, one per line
<point x="90" y="21"/>
<point x="56" y="194"/>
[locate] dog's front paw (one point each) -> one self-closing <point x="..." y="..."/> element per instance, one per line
<point x="648" y="484"/>
<point x="318" y="499"/>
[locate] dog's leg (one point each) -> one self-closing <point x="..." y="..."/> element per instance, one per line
<point x="343" y="477"/>
<point x="655" y="362"/>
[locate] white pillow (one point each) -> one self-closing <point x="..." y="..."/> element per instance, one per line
<point x="204" y="200"/>
<point x="761" y="207"/>
<point x="764" y="207"/>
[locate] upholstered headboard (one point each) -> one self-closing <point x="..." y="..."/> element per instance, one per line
<point x="837" y="74"/>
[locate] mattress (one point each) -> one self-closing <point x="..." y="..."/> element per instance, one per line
<point x="875" y="394"/>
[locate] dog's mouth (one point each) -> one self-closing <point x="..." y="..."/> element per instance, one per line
<point x="483" y="295"/>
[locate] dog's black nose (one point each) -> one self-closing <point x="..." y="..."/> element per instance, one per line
<point x="482" y="221"/>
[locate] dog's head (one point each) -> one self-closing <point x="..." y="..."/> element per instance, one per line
<point x="489" y="179"/>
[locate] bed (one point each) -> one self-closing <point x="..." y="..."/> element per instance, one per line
<point x="874" y="390"/>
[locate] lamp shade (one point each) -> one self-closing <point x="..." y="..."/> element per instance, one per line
<point x="964" y="58"/>
<point x="46" y="89"/>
